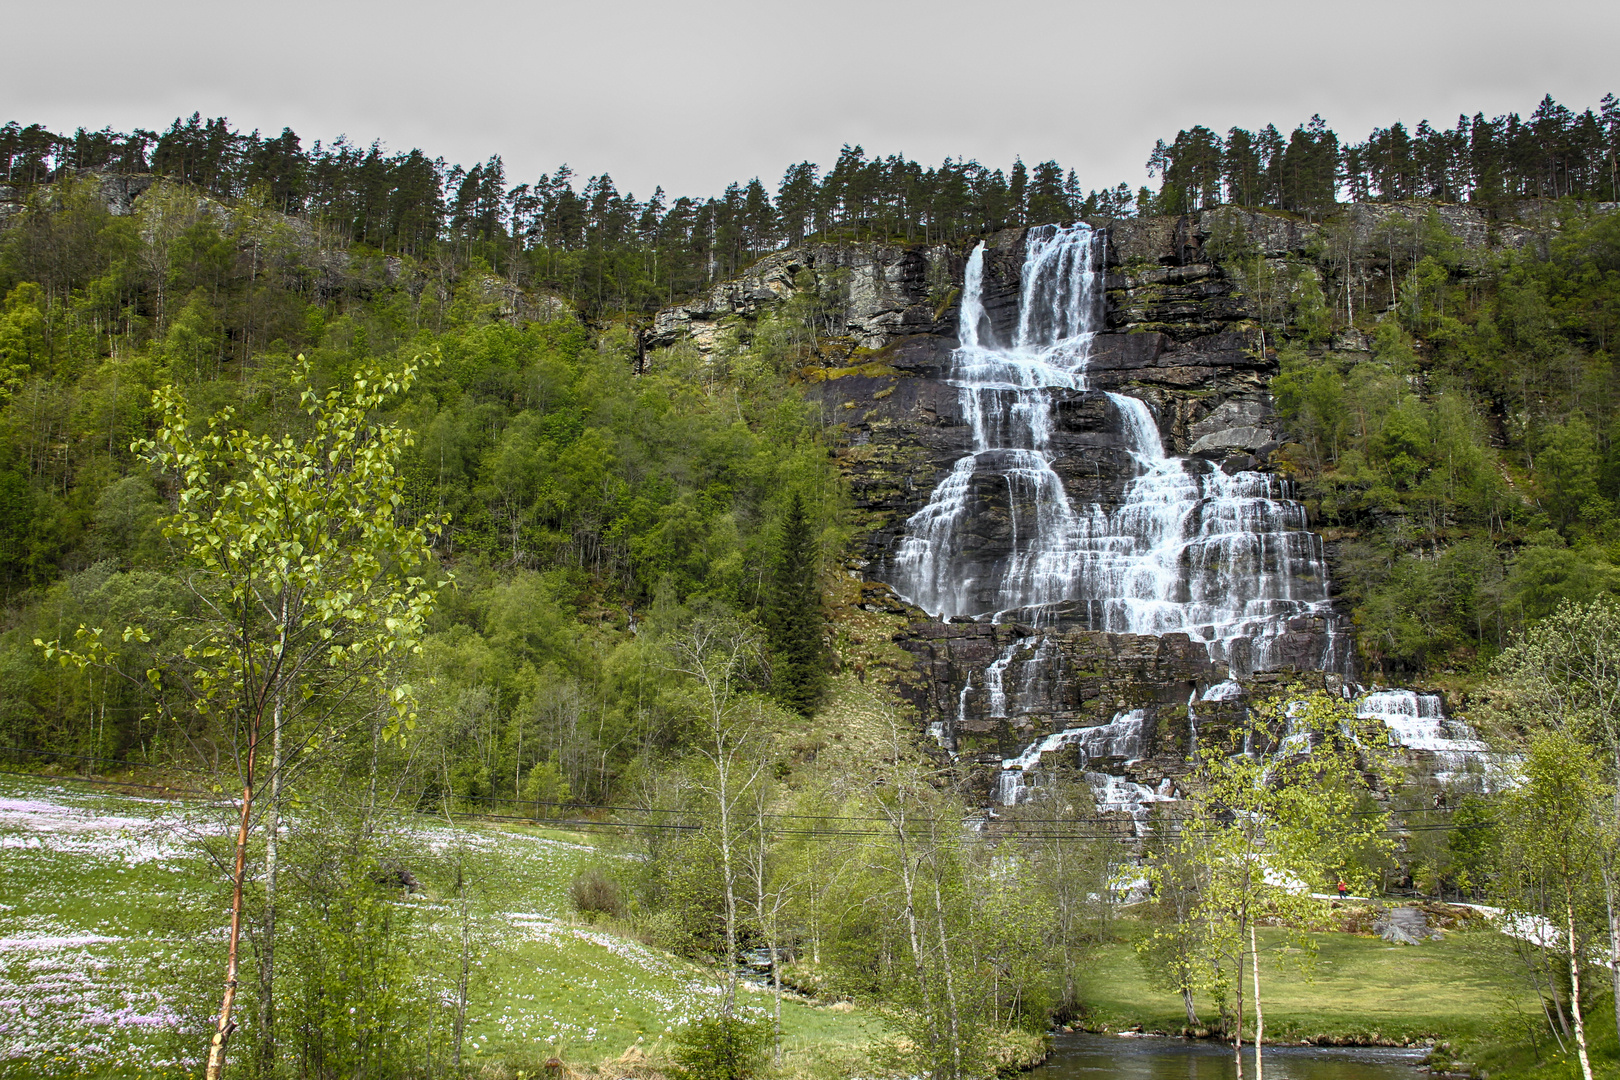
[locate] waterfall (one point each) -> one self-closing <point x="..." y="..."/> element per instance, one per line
<point x="1419" y="723"/>
<point x="992" y="681"/>
<point x="1012" y="785"/>
<point x="1005" y="396"/>
<point x="1181" y="547"/>
<point x="1188" y="548"/>
<point x="1115" y="794"/>
<point x="1121" y="737"/>
<point x="1226" y="559"/>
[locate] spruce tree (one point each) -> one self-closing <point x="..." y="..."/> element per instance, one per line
<point x="793" y="618"/>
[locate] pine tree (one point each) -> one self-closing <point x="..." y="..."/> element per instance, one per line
<point x="793" y="618"/>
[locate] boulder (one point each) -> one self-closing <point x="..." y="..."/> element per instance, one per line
<point x="1405" y="926"/>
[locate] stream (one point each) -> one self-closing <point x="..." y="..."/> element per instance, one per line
<point x="1103" y="1057"/>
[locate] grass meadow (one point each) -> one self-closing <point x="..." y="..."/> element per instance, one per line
<point x="112" y="927"/>
<point x="113" y="915"/>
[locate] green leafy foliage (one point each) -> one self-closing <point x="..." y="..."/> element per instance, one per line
<point x="1276" y="813"/>
<point x="721" y="1047"/>
<point x="1465" y="459"/>
<point x="588" y="506"/>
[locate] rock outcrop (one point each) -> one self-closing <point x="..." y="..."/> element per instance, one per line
<point x="1180" y="334"/>
<point x="118" y="190"/>
<point x="989" y="690"/>
<point x="1405" y="926"/>
<point x="870" y="293"/>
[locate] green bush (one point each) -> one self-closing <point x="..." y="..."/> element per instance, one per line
<point x="594" y="893"/>
<point x="721" y="1048"/>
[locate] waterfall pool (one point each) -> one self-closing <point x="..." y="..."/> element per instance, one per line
<point x="1102" y="1057"/>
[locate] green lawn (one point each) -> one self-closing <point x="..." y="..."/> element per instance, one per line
<point x="557" y="984"/>
<point x="111" y="947"/>
<point x="1357" y="987"/>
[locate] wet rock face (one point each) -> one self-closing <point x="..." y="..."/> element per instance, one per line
<point x="991" y="691"/>
<point x="1056" y="680"/>
<point x="1177" y="338"/>
<point x="907" y="430"/>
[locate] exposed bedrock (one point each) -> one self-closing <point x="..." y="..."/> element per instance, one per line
<point x="989" y="691"/>
<point x="938" y="416"/>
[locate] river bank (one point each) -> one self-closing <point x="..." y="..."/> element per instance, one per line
<point x="1085" y="1056"/>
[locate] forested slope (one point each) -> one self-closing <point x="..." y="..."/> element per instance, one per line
<point x="582" y="500"/>
<point x="1452" y="411"/>
<point x="1451" y="405"/>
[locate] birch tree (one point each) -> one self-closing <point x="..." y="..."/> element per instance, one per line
<point x="719" y="656"/>
<point x="1565" y="674"/>
<point x="1073" y="866"/>
<point x="919" y="855"/>
<point x="1554" y="844"/>
<point x="310" y="597"/>
<point x="1268" y="813"/>
<point x="772" y="893"/>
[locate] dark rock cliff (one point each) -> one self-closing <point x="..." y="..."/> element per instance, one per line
<point x="1181" y="338"/>
<point x="1179" y="334"/>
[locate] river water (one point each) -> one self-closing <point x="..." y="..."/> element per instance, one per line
<point x="1104" y="1057"/>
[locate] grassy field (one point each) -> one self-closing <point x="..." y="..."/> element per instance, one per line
<point x="111" y="950"/>
<point x="1464" y="991"/>
<point x="1356" y="987"/>
<point x="111" y="935"/>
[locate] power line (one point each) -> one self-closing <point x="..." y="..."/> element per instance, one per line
<point x="994" y="831"/>
<point x="1016" y="820"/>
<point x="1168" y="818"/>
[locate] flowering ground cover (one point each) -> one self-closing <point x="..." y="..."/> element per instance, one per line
<point x="112" y="934"/>
<point x="91" y="896"/>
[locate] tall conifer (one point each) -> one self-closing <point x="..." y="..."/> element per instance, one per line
<point x="793" y="618"/>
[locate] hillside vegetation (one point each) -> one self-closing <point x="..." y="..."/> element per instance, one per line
<point x="635" y="615"/>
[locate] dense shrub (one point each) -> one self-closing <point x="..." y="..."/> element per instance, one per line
<point x="721" y="1048"/>
<point x="595" y="893"/>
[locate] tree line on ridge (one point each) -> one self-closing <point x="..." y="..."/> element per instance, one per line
<point x="611" y="251"/>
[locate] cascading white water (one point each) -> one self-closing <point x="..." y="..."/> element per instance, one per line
<point x="1121" y="737"/>
<point x="1192" y="726"/>
<point x="1005" y="395"/>
<point x="1226" y="559"/>
<point x="1115" y="794"/>
<point x="992" y="681"/>
<point x="1011" y="785"/>
<point x="1419" y="723"/>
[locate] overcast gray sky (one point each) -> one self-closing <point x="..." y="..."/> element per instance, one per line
<point x="692" y="95"/>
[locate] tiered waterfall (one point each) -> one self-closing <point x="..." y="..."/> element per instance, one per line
<point x="1226" y="559"/>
